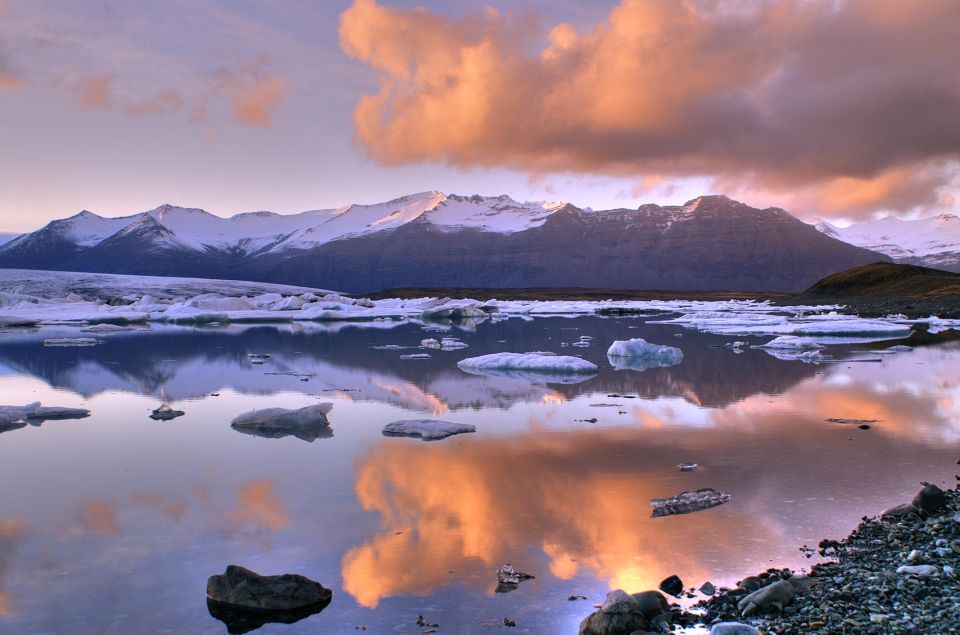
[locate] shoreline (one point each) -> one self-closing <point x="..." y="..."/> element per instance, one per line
<point x="894" y="573"/>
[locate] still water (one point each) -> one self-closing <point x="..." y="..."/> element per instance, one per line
<point x="112" y="524"/>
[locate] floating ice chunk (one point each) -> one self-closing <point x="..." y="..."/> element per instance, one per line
<point x="430" y="343"/>
<point x="687" y="502"/>
<point x="72" y="341"/>
<point x="292" y="303"/>
<point x="426" y="429"/>
<point x="795" y="355"/>
<point x="454" y="310"/>
<point x="452" y="344"/>
<point x="416" y="356"/>
<point x="639" y="354"/>
<point x="792" y="343"/>
<point x="105" y="328"/>
<point x="532" y="367"/>
<point x="35" y="412"/>
<point x="214" y="302"/>
<point x="900" y="348"/>
<point x="528" y="362"/>
<point x="308" y="424"/>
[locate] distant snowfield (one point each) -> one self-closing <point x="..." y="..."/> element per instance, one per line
<point x="83" y="300"/>
<point x="932" y="241"/>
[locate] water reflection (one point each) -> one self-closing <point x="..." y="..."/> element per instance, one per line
<point x="582" y="498"/>
<point x="120" y="529"/>
<point x="178" y="363"/>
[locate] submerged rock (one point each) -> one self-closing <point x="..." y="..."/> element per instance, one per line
<point x="687" y="502"/>
<point x="309" y="423"/>
<point x="426" y="429"/>
<point x="166" y="413"/>
<point x="245" y="600"/>
<point x="509" y="578"/>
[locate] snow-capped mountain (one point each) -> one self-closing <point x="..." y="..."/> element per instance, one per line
<point x="931" y="242"/>
<point x="434" y="239"/>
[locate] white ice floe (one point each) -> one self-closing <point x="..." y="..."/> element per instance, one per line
<point x="531" y="366"/>
<point x="416" y="356"/>
<point x="40" y="298"/>
<point x="426" y="429"/>
<point x="793" y="343"/>
<point x="529" y="362"/>
<point x="639" y="354"/>
<point x="37" y="412"/>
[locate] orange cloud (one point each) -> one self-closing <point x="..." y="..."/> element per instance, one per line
<point x="11" y="530"/>
<point x="98" y="516"/>
<point x="168" y="100"/>
<point x="848" y="99"/>
<point x="95" y="91"/>
<point x="258" y="504"/>
<point x="255" y="104"/>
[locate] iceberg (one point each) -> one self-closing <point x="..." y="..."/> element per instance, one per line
<point x="639" y="354"/>
<point x="426" y="429"/>
<point x="307" y="424"/>
<point x="528" y="361"/>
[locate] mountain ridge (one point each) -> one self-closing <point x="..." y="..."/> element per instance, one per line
<point x="434" y="239"/>
<point x="929" y="242"/>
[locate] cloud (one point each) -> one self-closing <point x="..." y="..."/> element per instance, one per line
<point x="95" y="91"/>
<point x="167" y="101"/>
<point x="8" y="79"/>
<point x="853" y="103"/>
<point x="255" y="104"/>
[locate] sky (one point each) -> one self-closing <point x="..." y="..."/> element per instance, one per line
<point x="844" y="109"/>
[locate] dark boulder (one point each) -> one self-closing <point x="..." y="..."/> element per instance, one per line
<point x="672" y="586"/>
<point x="243" y="589"/>
<point x="620" y="614"/>
<point x="930" y="499"/>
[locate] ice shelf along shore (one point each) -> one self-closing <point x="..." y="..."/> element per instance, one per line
<point x="90" y="301"/>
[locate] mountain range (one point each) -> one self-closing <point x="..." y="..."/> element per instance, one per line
<point x="432" y="239"/>
<point x="929" y="242"/>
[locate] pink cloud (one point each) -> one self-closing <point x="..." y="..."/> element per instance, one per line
<point x="851" y="103"/>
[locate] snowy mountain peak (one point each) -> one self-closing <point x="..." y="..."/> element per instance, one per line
<point x="932" y="242"/>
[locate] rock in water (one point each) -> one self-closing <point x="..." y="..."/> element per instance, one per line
<point x="166" y="413"/>
<point x="245" y="600"/>
<point x="930" y="499"/>
<point x="308" y="424"/>
<point x="509" y="578"/>
<point x="707" y="588"/>
<point x="672" y="586"/>
<point x="620" y="614"/>
<point x="687" y="502"/>
<point x="426" y="429"/>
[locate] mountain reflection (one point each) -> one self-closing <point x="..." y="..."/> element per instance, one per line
<point x="578" y="502"/>
<point x="176" y="363"/>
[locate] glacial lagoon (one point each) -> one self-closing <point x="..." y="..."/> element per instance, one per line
<point x="113" y="523"/>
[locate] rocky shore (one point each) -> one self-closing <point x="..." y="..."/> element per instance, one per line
<point x="897" y="573"/>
